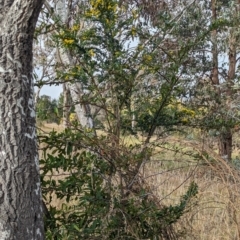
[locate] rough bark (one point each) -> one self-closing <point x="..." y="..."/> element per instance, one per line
<point x="20" y="193"/>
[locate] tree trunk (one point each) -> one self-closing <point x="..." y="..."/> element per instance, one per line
<point x="20" y="193"/>
<point x="225" y="149"/>
<point x="215" y="79"/>
<point x="83" y="111"/>
<point x="66" y="106"/>
<point x="225" y="145"/>
<point x="37" y="94"/>
<point x="225" y="138"/>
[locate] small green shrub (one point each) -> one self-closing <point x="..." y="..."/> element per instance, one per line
<point x="103" y="196"/>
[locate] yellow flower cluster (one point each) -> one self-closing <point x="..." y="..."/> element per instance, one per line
<point x="68" y="41"/>
<point x="134" y="14"/>
<point x="112" y="7"/>
<point x="118" y="54"/>
<point x="73" y="117"/>
<point x="75" y="28"/>
<point x="96" y="3"/>
<point x="188" y="112"/>
<point x="147" y="58"/>
<point x="133" y="31"/>
<point x="185" y="110"/>
<point x="101" y="5"/>
<point x="91" y="53"/>
<point x="92" y="12"/>
<point x="185" y="113"/>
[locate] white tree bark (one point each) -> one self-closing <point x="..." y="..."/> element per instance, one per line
<point x="83" y="111"/>
<point x="20" y="193"/>
<point x="37" y="94"/>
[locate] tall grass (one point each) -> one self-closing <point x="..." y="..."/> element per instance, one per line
<point x="215" y="214"/>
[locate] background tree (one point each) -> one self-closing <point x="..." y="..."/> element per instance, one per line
<point x="20" y="192"/>
<point x="48" y="110"/>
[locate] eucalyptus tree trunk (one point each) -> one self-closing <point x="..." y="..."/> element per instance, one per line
<point x="66" y="106"/>
<point x="20" y="193"/>
<point x="83" y="111"/>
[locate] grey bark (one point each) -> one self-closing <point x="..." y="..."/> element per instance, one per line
<point x="20" y="193"/>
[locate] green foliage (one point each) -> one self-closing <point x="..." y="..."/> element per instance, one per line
<point x="122" y="81"/>
<point x="51" y="110"/>
<point x="47" y="109"/>
<point x="174" y="114"/>
<point x="137" y="89"/>
<point x="97" y="205"/>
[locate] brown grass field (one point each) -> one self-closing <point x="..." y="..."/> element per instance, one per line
<point x="215" y="213"/>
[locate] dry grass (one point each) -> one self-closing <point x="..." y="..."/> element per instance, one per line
<point x="48" y="127"/>
<point x="215" y="213"/>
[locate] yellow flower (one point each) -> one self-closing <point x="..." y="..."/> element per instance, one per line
<point x="140" y="47"/>
<point x="100" y="6"/>
<point x="75" y="28"/>
<point x="91" y="53"/>
<point x="96" y="3"/>
<point x="112" y="7"/>
<point x="147" y="58"/>
<point x="135" y="15"/>
<point x="185" y="120"/>
<point x="73" y="117"/>
<point x="68" y="41"/>
<point x="133" y="31"/>
<point x="189" y="112"/>
<point x="118" y="54"/>
<point x="92" y="12"/>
